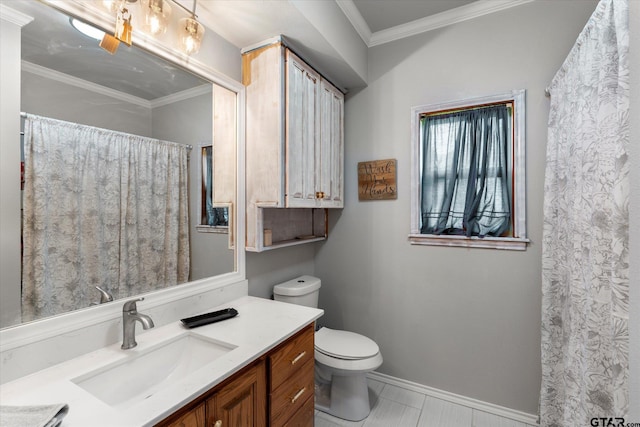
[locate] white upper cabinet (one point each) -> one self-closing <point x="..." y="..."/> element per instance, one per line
<point x="295" y="148"/>
<point x="314" y="148"/>
<point x="303" y="136"/>
<point x="331" y="168"/>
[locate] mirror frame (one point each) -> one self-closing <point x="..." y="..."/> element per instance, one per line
<point x="19" y="335"/>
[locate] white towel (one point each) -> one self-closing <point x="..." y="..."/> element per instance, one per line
<point x="33" y="416"/>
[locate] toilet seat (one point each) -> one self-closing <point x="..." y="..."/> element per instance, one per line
<point x="344" y="344"/>
<point x="346" y="350"/>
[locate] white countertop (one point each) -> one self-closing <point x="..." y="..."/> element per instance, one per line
<point x="260" y="325"/>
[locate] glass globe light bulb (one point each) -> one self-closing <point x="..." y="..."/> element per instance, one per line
<point x="156" y="16"/>
<point x="191" y="35"/>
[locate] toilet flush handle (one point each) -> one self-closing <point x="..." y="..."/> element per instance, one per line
<point x="298" y="357"/>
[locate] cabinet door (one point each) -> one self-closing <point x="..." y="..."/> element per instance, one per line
<point x="193" y="418"/>
<point x="331" y="168"/>
<point x="224" y="153"/>
<point x="241" y="403"/>
<point x="302" y="132"/>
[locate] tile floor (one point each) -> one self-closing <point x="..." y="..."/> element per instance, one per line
<point x="393" y="406"/>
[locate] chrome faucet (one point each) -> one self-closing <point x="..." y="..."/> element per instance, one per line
<point x="105" y="296"/>
<point x="129" y="317"/>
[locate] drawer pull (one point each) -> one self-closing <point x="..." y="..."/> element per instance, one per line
<point x="298" y="357"/>
<point x="218" y="423"/>
<point x="298" y="394"/>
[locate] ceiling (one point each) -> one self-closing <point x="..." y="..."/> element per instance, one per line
<point x="51" y="47"/>
<point x="320" y="29"/>
<point x="246" y="22"/>
<point x="385" y="14"/>
<point x="332" y="35"/>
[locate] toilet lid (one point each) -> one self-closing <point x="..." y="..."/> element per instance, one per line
<point x="344" y="344"/>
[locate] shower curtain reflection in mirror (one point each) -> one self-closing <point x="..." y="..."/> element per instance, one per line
<point x="100" y="208"/>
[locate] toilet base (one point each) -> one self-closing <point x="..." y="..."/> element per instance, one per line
<point x="349" y="397"/>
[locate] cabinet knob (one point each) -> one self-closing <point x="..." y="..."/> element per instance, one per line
<point x="319" y="194"/>
<point x="218" y="423"/>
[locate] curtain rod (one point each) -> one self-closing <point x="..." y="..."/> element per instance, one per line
<point x="188" y="146"/>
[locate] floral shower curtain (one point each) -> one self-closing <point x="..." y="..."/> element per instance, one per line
<point x="100" y="208"/>
<point x="585" y="258"/>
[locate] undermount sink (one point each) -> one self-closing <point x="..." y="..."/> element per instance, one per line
<point x="127" y="382"/>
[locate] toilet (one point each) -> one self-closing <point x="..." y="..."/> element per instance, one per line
<point x="342" y="358"/>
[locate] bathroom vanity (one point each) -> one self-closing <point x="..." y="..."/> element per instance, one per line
<point x="278" y="387"/>
<point x="257" y="366"/>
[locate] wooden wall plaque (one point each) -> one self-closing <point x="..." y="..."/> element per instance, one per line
<point x="377" y="180"/>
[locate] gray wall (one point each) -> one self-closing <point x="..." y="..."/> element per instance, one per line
<point x="50" y="98"/>
<point x="462" y="320"/>
<point x="269" y="268"/>
<point x="190" y="122"/>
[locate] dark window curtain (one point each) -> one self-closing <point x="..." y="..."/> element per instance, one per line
<point x="465" y="172"/>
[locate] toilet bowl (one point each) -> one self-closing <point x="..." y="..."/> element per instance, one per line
<point x="342" y="358"/>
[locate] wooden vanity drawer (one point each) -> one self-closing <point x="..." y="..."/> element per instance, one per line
<point x="292" y="395"/>
<point x="304" y="417"/>
<point x="286" y="360"/>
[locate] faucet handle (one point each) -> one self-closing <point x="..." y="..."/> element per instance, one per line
<point x="131" y="305"/>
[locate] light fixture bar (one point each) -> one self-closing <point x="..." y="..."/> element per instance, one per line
<point x="192" y="13"/>
<point x="154" y="21"/>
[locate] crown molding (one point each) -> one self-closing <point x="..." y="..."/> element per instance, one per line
<point x="13" y="16"/>
<point x="181" y="96"/>
<point x="463" y="13"/>
<point x="353" y="15"/>
<point x="83" y="84"/>
<point x="96" y="88"/>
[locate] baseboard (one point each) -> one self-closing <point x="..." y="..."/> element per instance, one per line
<point x="498" y="410"/>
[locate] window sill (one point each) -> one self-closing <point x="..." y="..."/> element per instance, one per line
<point x="212" y="229"/>
<point x="507" y="243"/>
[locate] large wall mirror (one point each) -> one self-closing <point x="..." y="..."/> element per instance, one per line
<point x="71" y="86"/>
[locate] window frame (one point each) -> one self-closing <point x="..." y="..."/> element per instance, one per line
<point x="200" y="226"/>
<point x="519" y="239"/>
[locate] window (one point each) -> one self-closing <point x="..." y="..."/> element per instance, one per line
<point x="212" y="219"/>
<point x="468" y="171"/>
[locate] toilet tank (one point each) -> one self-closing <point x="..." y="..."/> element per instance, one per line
<point x="302" y="290"/>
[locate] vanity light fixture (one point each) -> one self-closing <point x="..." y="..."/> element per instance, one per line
<point x="156" y="16"/>
<point x="155" y="19"/>
<point x="191" y="33"/>
<point x="123" y="26"/>
<point x="110" y="5"/>
<point x="123" y="29"/>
